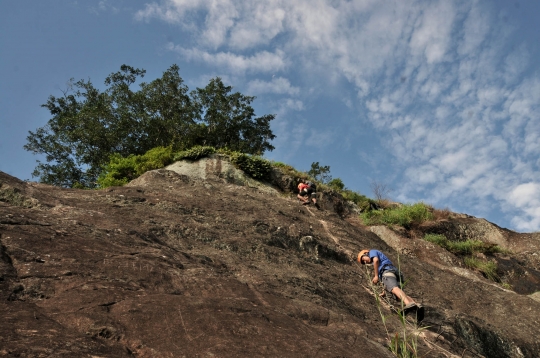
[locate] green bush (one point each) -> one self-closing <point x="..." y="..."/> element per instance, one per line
<point x="362" y="201"/>
<point x="336" y="184"/>
<point x="254" y="166"/>
<point x="155" y="158"/>
<point x="438" y="239"/>
<point x="405" y="215"/>
<point x="467" y="247"/>
<point x="119" y="171"/>
<point x="195" y="153"/>
<point x="291" y="171"/>
<point x="281" y="165"/>
<point x="78" y="185"/>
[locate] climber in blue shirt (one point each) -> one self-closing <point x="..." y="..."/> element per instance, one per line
<point x="385" y="271"/>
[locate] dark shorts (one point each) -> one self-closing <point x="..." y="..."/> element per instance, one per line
<point x="390" y="280"/>
<point x="307" y="191"/>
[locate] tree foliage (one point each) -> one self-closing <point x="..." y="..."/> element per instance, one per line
<point x="227" y="120"/>
<point x="89" y="126"/>
<point x="320" y="173"/>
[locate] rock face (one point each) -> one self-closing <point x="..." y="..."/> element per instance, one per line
<point x="177" y="264"/>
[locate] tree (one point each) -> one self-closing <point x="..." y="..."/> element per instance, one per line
<point x="88" y="126"/>
<point x="227" y="120"/>
<point x="380" y="190"/>
<point x="320" y="173"/>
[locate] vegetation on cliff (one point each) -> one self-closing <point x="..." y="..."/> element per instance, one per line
<point x="90" y="127"/>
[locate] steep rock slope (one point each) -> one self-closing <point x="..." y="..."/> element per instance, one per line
<point x="173" y="265"/>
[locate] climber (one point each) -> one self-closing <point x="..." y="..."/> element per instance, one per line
<point x="385" y="271"/>
<point x="306" y="192"/>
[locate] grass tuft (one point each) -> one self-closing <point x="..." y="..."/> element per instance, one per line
<point x="467" y="247"/>
<point x="487" y="268"/>
<point x="405" y="215"/>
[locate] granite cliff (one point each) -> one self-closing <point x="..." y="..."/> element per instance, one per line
<point x="196" y="260"/>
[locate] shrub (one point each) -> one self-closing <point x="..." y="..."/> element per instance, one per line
<point x="336" y="184"/>
<point x="254" y="166"/>
<point x="281" y="165"/>
<point x="195" y="153"/>
<point x="119" y="171"/>
<point x="291" y="171"/>
<point x="363" y="202"/>
<point x="405" y="215"/>
<point x="154" y="159"/>
<point x="438" y="239"/>
<point x="78" y="185"/>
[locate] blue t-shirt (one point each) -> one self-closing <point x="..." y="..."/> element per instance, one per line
<point x="384" y="262"/>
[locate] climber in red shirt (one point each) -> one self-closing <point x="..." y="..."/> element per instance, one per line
<point x="307" y="192"/>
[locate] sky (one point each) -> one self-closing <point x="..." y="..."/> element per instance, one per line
<point x="437" y="100"/>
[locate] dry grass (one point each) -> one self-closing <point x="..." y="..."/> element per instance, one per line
<point x="441" y="214"/>
<point x="385" y="204"/>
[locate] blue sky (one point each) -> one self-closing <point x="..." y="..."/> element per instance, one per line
<point x="439" y="100"/>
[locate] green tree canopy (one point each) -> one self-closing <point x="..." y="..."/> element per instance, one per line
<point x="88" y="126"/>
<point x="227" y="120"/>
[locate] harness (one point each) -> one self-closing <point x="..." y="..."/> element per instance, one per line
<point x="388" y="269"/>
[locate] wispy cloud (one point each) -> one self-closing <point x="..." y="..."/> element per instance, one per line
<point x="458" y="106"/>
<point x="103" y="6"/>
<point x="262" y="61"/>
<point x="278" y="85"/>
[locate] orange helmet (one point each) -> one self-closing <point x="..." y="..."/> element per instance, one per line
<point x="362" y="253"/>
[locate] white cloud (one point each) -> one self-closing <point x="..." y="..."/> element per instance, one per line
<point x="103" y="6"/>
<point x="278" y="85"/>
<point x="167" y="11"/>
<point x="320" y="139"/>
<point x="527" y="197"/>
<point x="262" y="61"/>
<point x="515" y="63"/>
<point x="475" y="29"/>
<point x="262" y="21"/>
<point x="431" y="36"/>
